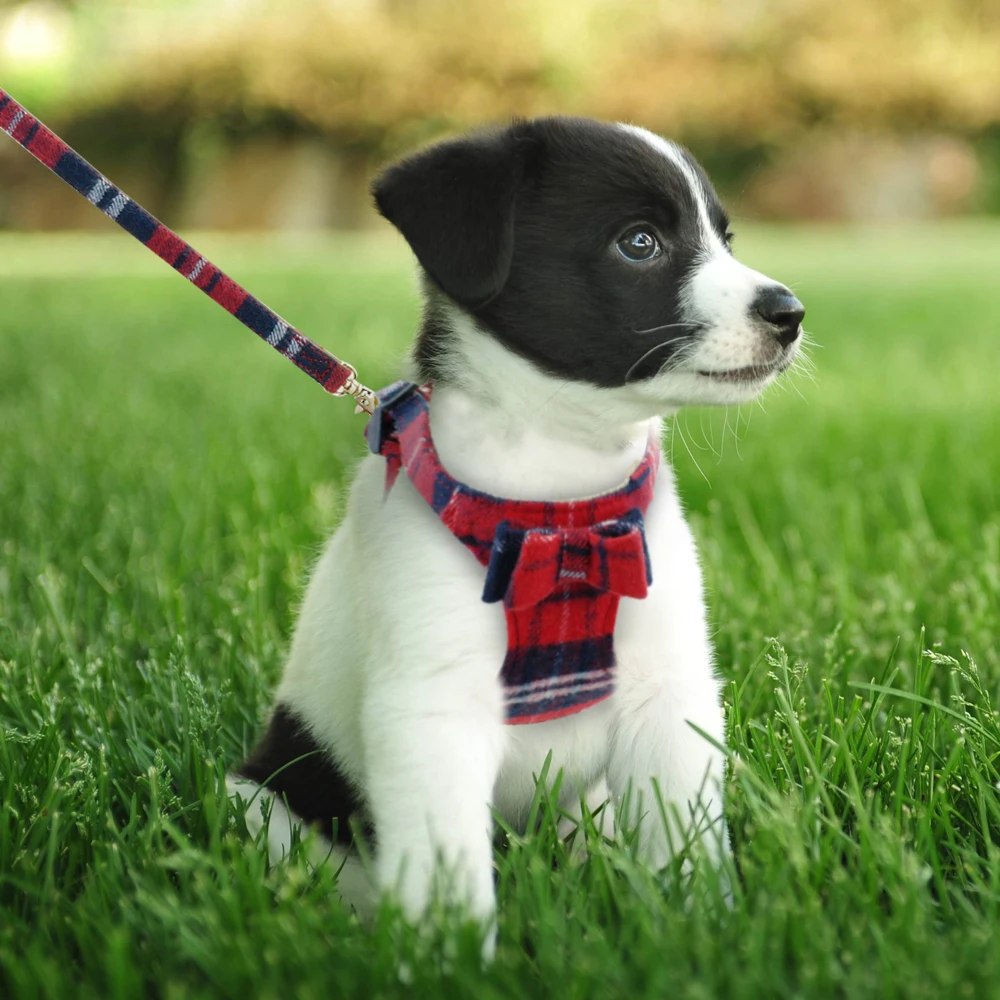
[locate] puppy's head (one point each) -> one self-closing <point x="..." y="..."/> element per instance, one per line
<point x="598" y="252"/>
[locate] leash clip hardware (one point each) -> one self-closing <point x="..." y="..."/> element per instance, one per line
<point x="365" y="398"/>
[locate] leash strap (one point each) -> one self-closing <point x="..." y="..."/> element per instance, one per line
<point x="337" y="377"/>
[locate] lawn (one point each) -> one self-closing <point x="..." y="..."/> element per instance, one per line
<point x="166" y="481"/>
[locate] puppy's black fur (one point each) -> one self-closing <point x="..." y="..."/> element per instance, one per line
<point x="520" y="226"/>
<point x="290" y="762"/>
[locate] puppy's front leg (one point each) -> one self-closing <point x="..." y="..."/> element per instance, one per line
<point x="656" y="757"/>
<point x="433" y="747"/>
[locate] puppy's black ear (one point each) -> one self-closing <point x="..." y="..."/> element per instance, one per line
<point x="454" y="203"/>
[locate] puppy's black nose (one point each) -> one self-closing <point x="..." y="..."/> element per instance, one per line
<point x="776" y="305"/>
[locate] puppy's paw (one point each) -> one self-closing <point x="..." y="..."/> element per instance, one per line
<point x="271" y="824"/>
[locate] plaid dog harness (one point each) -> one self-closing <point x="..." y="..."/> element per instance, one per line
<point x="559" y="568"/>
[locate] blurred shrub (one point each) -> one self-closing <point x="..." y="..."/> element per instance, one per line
<point x="739" y="81"/>
<point x="736" y="71"/>
<point x="366" y="77"/>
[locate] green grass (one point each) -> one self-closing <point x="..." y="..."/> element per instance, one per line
<point x="166" y="480"/>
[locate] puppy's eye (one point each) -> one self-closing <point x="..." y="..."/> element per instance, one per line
<point x="638" y="245"/>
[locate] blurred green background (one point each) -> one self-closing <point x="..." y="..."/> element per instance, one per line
<point x="259" y="114"/>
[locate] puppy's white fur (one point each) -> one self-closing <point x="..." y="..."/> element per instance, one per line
<point x="394" y="663"/>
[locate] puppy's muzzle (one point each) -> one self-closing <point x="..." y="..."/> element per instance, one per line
<point x="782" y="312"/>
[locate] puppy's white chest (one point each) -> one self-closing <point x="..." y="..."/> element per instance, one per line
<point x="495" y="452"/>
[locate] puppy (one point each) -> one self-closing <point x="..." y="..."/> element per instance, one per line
<point x="579" y="284"/>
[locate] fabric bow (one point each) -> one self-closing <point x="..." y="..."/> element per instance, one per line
<point x="526" y="566"/>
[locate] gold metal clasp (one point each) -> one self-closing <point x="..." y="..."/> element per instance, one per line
<point x="367" y="401"/>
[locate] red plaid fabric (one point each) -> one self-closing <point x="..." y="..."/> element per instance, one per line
<point x="559" y="568"/>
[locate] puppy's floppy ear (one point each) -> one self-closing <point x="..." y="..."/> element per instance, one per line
<point x="454" y="203"/>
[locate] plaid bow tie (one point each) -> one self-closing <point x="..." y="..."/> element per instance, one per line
<point x="526" y="566"/>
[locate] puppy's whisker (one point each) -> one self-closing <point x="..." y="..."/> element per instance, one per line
<point x="549" y="400"/>
<point x="652" y="350"/>
<point x="797" y="391"/>
<point x="670" y="326"/>
<point x="680" y="432"/>
<point x="804" y="362"/>
<point x="803" y="365"/>
<point x="805" y="371"/>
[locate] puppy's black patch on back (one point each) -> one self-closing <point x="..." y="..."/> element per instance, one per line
<point x="289" y="762"/>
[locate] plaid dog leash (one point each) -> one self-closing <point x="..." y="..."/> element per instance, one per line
<point x="337" y="377"/>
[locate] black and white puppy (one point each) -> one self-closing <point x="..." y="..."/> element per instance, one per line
<point x="579" y="285"/>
